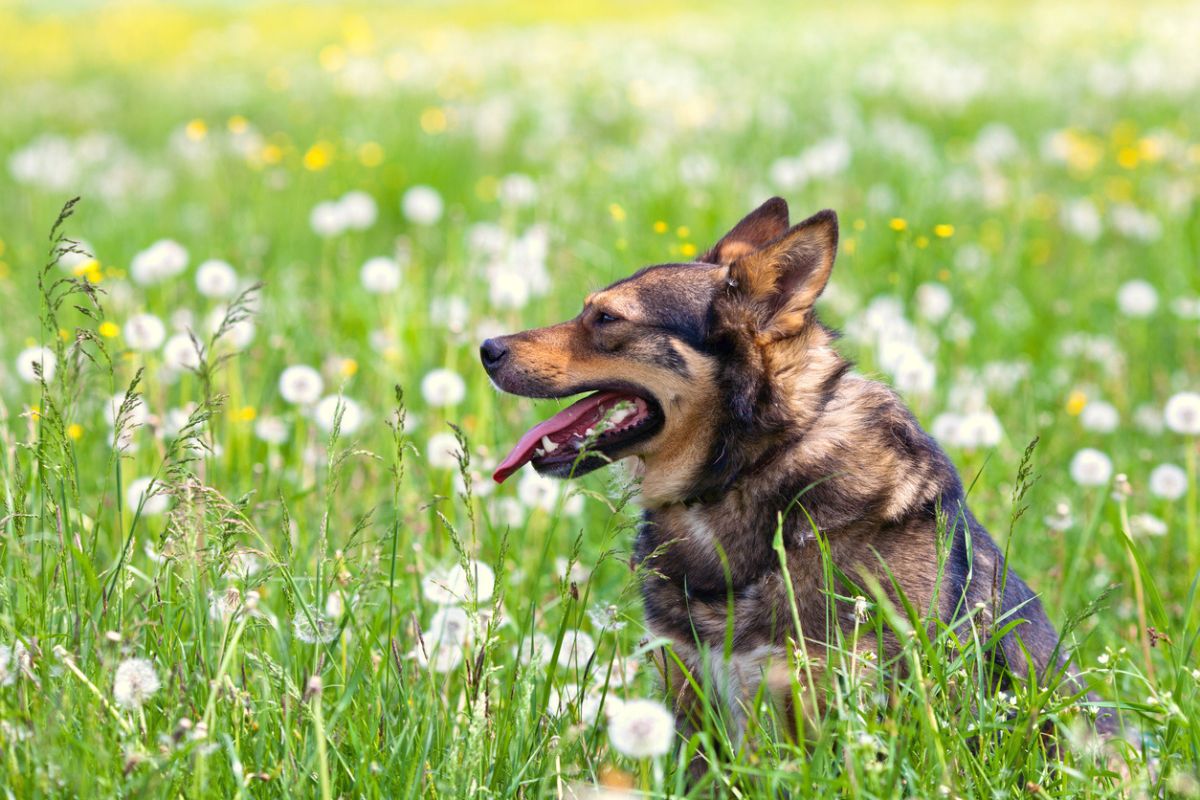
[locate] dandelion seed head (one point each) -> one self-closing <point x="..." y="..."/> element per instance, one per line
<point x="31" y="356"/>
<point x="319" y="629"/>
<point x="641" y="729"/>
<point x="443" y="387"/>
<point x="1090" y="467"/>
<point x="327" y="410"/>
<point x="164" y="259"/>
<point x="135" y="682"/>
<point x="216" y="279"/>
<point x="1168" y="481"/>
<point x="1182" y="413"/>
<point x="422" y="205"/>
<point x="380" y="275"/>
<point x="300" y="384"/>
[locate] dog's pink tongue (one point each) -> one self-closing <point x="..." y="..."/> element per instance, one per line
<point x="566" y="419"/>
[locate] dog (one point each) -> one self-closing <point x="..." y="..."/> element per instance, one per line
<point x="720" y="384"/>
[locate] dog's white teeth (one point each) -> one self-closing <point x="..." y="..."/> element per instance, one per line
<point x="538" y="453"/>
<point x="621" y="414"/>
<point x="548" y="446"/>
<point x="590" y="432"/>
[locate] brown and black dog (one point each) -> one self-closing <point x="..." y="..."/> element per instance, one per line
<point x="720" y="382"/>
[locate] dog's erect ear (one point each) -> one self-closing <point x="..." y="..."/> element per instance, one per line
<point x="761" y="226"/>
<point x="783" y="279"/>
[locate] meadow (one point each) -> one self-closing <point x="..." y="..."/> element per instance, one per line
<point x="249" y="543"/>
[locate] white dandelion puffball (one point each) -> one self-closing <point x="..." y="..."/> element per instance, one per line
<point x="327" y="410"/>
<point x="1090" y="467"/>
<point x="313" y="627"/>
<point x="301" y="385"/>
<point x="422" y="205"/>
<point x="449" y="625"/>
<point x="358" y="210"/>
<point x="443" y="387"/>
<point x="577" y="650"/>
<point x="272" y="430"/>
<point x="30" y="356"/>
<point x="1147" y="525"/>
<point x="239" y="335"/>
<point x="179" y="353"/>
<point x="14" y="661"/>
<point x="152" y="504"/>
<point x="442" y="451"/>
<point x="1100" y="417"/>
<point x="380" y="275"/>
<point x="444" y="658"/>
<point x="508" y="289"/>
<point x="1137" y="298"/>
<point x="1168" y="481"/>
<point x="164" y="259"/>
<point x="134" y="683"/>
<point x="217" y="279"/>
<point x="144" y="332"/>
<point x="641" y="729"/>
<point x="518" y="189"/>
<point x="1182" y="413"/>
<point x="327" y="219"/>
<point x="451" y="587"/>
<point x="80" y="253"/>
<point x="136" y="415"/>
<point x="537" y="491"/>
<point x="933" y="301"/>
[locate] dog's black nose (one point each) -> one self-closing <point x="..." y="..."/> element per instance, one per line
<point x="492" y="352"/>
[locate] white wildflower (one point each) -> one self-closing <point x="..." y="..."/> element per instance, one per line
<point x="14" y="662"/>
<point x="1100" y="417"/>
<point x="313" y="627"/>
<point x="1147" y="525"/>
<point x="1090" y="467"/>
<point x="1137" y="298"/>
<point x="216" y="278"/>
<point x="223" y="605"/>
<point x="144" y="332"/>
<point x="1182" y="413"/>
<point x="449" y="625"/>
<point x="301" y="384"/>
<point x="422" y="205"/>
<point x="134" y="683"/>
<point x="31" y="356"/>
<point x="443" y="387"/>
<point x="164" y="259"/>
<point x="537" y="491"/>
<point x="180" y="354"/>
<point x="577" y="650"/>
<point x="933" y="301"/>
<point x="358" y="210"/>
<point x="328" y="409"/>
<point x="272" y="430"/>
<point x="443" y="658"/>
<point x="153" y="500"/>
<point x="641" y="729"/>
<point x="328" y="219"/>
<point x="1168" y="481"/>
<point x="442" y="451"/>
<point x="380" y="275"/>
<point x="453" y="586"/>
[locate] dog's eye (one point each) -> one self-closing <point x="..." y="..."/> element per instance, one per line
<point x="604" y="318"/>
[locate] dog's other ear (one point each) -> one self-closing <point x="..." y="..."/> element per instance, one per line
<point x="761" y="226"/>
<point x="784" y="279"/>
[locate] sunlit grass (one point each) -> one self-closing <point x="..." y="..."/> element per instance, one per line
<point x="331" y="597"/>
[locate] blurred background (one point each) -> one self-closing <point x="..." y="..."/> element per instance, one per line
<point x="1017" y="188"/>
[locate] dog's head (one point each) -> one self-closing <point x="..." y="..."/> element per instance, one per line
<point x="690" y="366"/>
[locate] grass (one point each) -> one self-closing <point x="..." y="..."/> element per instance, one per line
<point x="645" y="132"/>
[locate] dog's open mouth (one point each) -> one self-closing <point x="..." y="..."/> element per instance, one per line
<point x="597" y="426"/>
